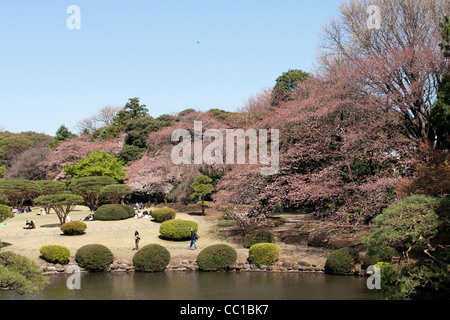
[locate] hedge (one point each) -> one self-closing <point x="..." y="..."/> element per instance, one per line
<point x="216" y="257"/>
<point x="177" y="229"/>
<point x="94" y="257"/>
<point x="264" y="253"/>
<point x="114" y="212"/>
<point x="164" y="214"/>
<point x="151" y="258"/>
<point x="74" y="228"/>
<point x="341" y="261"/>
<point x="55" y="254"/>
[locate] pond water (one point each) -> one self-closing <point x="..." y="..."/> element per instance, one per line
<point x="204" y="286"/>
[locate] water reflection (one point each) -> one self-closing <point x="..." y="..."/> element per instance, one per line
<point x="205" y="286"/>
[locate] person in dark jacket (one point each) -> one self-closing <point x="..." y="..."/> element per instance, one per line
<point x="193" y="238"/>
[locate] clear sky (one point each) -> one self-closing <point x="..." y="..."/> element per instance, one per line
<point x="171" y="54"/>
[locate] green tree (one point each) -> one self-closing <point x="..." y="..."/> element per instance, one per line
<point x="90" y="189"/>
<point x="287" y="83"/>
<point x="98" y="163"/>
<point x="416" y="225"/>
<point x="132" y="110"/>
<point x="202" y="188"/>
<point x="49" y="187"/>
<point x="220" y="114"/>
<point x="115" y="192"/>
<point x="13" y="144"/>
<point x="62" y="134"/>
<point x="18" y="191"/>
<point x="139" y="128"/>
<point x="440" y="113"/>
<point x="20" y="273"/>
<point x="445" y="45"/>
<point x="62" y="203"/>
<point x="130" y="153"/>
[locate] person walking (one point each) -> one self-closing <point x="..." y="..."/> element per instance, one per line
<point x="194" y="237"/>
<point x="137" y="238"/>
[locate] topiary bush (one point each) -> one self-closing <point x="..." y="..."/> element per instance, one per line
<point x="114" y="212"/>
<point x="258" y="237"/>
<point x="341" y="261"/>
<point x="151" y="258"/>
<point x="74" y="228"/>
<point x="372" y="257"/>
<point x="264" y="253"/>
<point x="130" y="210"/>
<point x="55" y="254"/>
<point x="5" y="213"/>
<point x="216" y="257"/>
<point x="164" y="214"/>
<point x="177" y="229"/>
<point x="94" y="257"/>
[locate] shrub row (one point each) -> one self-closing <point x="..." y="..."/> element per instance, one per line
<point x="155" y="258"/>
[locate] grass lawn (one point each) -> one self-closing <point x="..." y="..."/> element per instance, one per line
<point x="118" y="236"/>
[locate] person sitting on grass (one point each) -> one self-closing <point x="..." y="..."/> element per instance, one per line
<point x="90" y="217"/>
<point x="29" y="225"/>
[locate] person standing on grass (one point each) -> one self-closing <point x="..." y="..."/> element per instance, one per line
<point x="137" y="238"/>
<point x="194" y="237"/>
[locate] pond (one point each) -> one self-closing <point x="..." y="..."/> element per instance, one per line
<point x="204" y="286"/>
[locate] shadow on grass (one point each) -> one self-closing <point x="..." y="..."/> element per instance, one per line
<point x="196" y="213"/>
<point x="5" y="244"/>
<point x="53" y="225"/>
<point x="173" y="240"/>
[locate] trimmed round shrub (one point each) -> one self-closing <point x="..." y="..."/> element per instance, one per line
<point x="151" y="258"/>
<point x="163" y="214"/>
<point x="341" y="261"/>
<point x="264" y="253"/>
<point x="130" y="210"/>
<point x="114" y="212"/>
<point x="259" y="237"/>
<point x="372" y="257"/>
<point x="74" y="228"/>
<point x="177" y="229"/>
<point x="55" y="254"/>
<point x="5" y="213"/>
<point x="216" y="257"/>
<point x="94" y="257"/>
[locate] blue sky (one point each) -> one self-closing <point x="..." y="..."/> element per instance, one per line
<point x="173" y="55"/>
